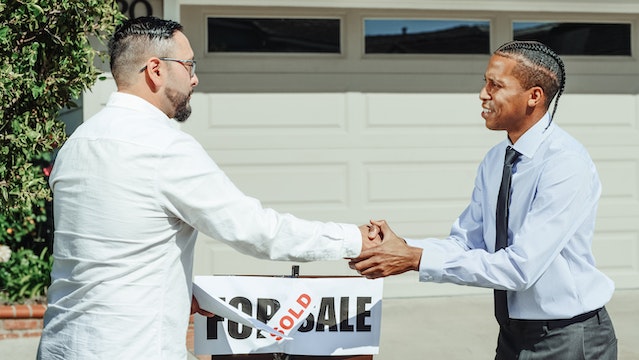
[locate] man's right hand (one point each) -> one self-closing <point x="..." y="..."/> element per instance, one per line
<point x="371" y="236"/>
<point x="392" y="257"/>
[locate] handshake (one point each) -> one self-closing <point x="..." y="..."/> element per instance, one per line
<point x="383" y="252"/>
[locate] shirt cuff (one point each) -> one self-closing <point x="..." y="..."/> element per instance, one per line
<point x="352" y="244"/>
<point x="432" y="263"/>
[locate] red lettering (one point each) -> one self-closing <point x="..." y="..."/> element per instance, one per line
<point x="286" y="322"/>
<point x="304" y="300"/>
<point x="278" y="338"/>
<point x="296" y="315"/>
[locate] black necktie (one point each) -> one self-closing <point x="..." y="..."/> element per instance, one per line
<point x="501" y="221"/>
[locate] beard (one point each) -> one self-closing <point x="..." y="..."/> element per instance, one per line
<point x="180" y="104"/>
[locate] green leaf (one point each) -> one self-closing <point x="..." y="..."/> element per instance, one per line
<point x="47" y="62"/>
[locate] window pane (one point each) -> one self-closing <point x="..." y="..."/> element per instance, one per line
<point x="274" y="35"/>
<point x="577" y="38"/>
<point x="426" y="36"/>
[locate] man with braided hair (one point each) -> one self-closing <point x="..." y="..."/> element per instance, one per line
<point x="536" y="254"/>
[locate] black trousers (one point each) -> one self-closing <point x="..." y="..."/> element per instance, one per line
<point x="591" y="339"/>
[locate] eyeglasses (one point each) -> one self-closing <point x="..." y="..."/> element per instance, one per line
<point x="188" y="64"/>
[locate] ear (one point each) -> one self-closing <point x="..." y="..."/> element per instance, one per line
<point x="154" y="73"/>
<point x="536" y="97"/>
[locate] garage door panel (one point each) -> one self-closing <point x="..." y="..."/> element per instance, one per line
<point x="423" y="110"/>
<point x="276" y="112"/>
<point x="620" y="185"/>
<point x="281" y="184"/>
<point x="608" y="111"/>
<point x="617" y="250"/>
<point x="619" y="179"/>
<point x="419" y="182"/>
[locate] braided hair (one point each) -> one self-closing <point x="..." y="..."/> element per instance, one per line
<point x="537" y="65"/>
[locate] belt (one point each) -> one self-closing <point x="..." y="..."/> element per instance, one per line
<point x="554" y="324"/>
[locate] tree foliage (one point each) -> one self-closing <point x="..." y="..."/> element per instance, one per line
<point x="47" y="61"/>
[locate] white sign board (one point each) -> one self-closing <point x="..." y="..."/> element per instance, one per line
<point x="298" y="316"/>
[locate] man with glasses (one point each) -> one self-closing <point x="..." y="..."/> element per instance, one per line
<point x="189" y="64"/>
<point x="131" y="192"/>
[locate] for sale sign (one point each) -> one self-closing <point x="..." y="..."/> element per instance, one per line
<point x="298" y="316"/>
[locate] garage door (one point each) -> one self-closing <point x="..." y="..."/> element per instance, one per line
<point x="407" y="158"/>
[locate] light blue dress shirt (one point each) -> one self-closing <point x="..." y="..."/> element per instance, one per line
<point x="548" y="267"/>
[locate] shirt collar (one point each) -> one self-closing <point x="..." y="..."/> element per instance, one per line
<point x="529" y="142"/>
<point x="136" y="103"/>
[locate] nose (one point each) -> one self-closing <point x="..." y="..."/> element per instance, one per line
<point x="483" y="93"/>
<point x="194" y="80"/>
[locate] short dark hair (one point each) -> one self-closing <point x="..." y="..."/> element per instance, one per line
<point x="135" y="37"/>
<point x="537" y="65"/>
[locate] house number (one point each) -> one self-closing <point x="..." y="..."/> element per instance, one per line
<point x="131" y="8"/>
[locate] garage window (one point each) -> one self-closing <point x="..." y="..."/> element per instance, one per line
<point x="273" y="35"/>
<point x="426" y="36"/>
<point x="575" y="38"/>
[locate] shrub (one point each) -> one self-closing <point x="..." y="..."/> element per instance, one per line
<point x="26" y="276"/>
<point x="47" y="60"/>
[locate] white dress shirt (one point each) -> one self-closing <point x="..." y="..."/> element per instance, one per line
<point x="548" y="267"/>
<point x="130" y="193"/>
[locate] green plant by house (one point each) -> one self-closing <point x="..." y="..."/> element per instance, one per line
<point x="47" y="60"/>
